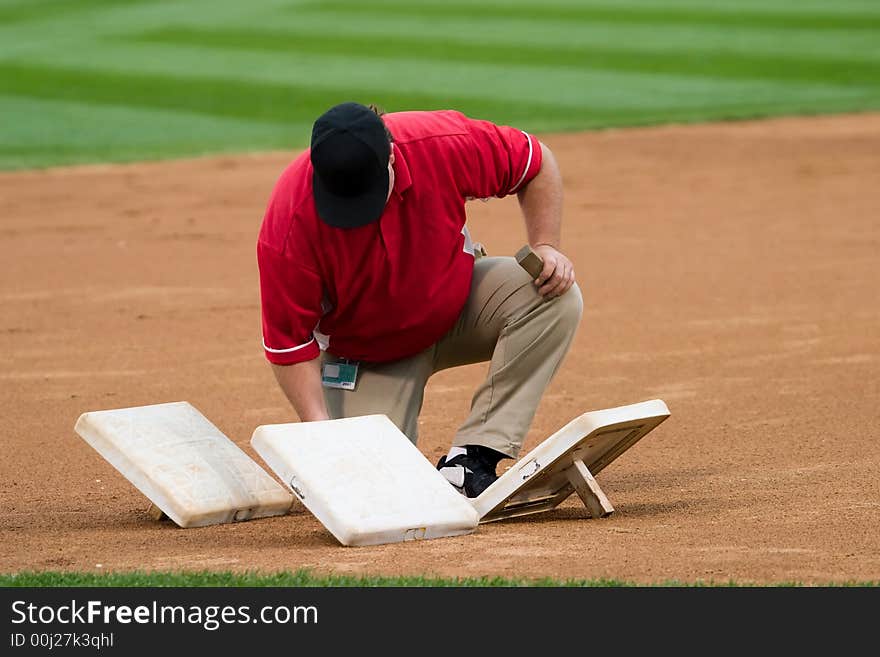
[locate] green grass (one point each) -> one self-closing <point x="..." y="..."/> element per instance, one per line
<point x="121" y="80"/>
<point x="300" y="578"/>
<point x="304" y="578"/>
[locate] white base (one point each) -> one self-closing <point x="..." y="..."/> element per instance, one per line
<point x="566" y="462"/>
<point x="184" y="464"/>
<point x="364" y="480"/>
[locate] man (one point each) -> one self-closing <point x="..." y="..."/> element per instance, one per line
<point x="370" y="282"/>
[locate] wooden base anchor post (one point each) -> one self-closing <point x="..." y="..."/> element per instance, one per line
<point x="588" y="490"/>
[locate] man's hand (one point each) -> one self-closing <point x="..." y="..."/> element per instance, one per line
<point x="557" y="277"/>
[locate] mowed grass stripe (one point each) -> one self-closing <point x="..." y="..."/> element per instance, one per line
<point x="68" y="132"/>
<point x="725" y="14"/>
<point x="709" y="64"/>
<point x="775" y="6"/>
<point x="257" y="101"/>
<point x="31" y="11"/>
<point x="560" y="34"/>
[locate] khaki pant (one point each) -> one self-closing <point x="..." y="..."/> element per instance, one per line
<point x="504" y="321"/>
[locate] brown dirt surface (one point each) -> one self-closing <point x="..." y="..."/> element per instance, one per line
<point x="731" y="270"/>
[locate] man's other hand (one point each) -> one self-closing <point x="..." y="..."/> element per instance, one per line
<point x="557" y="277"/>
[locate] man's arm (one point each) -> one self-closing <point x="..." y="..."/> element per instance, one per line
<point x="541" y="204"/>
<point x="301" y="382"/>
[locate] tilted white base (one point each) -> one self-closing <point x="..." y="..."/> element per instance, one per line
<point x="185" y="465"/>
<point x="567" y="461"/>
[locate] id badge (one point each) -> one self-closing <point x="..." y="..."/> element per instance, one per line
<point x="342" y="374"/>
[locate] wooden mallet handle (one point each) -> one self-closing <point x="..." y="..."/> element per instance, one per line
<point x="530" y="261"/>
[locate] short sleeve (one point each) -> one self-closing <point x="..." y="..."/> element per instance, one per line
<point x="501" y="161"/>
<point x="291" y="297"/>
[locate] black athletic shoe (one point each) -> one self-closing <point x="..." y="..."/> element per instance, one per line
<point x="471" y="473"/>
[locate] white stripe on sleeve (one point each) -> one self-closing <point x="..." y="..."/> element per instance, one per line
<point x="286" y="351"/>
<point x="528" y="164"/>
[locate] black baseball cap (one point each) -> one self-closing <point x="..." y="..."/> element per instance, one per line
<point x="349" y="153"/>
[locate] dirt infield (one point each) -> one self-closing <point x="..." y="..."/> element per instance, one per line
<point x="731" y="270"/>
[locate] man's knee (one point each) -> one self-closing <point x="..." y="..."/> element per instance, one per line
<point x="570" y="307"/>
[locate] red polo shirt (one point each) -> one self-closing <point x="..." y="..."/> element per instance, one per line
<point x="392" y="288"/>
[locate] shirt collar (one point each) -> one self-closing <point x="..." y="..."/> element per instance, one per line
<point x="402" y="177"/>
